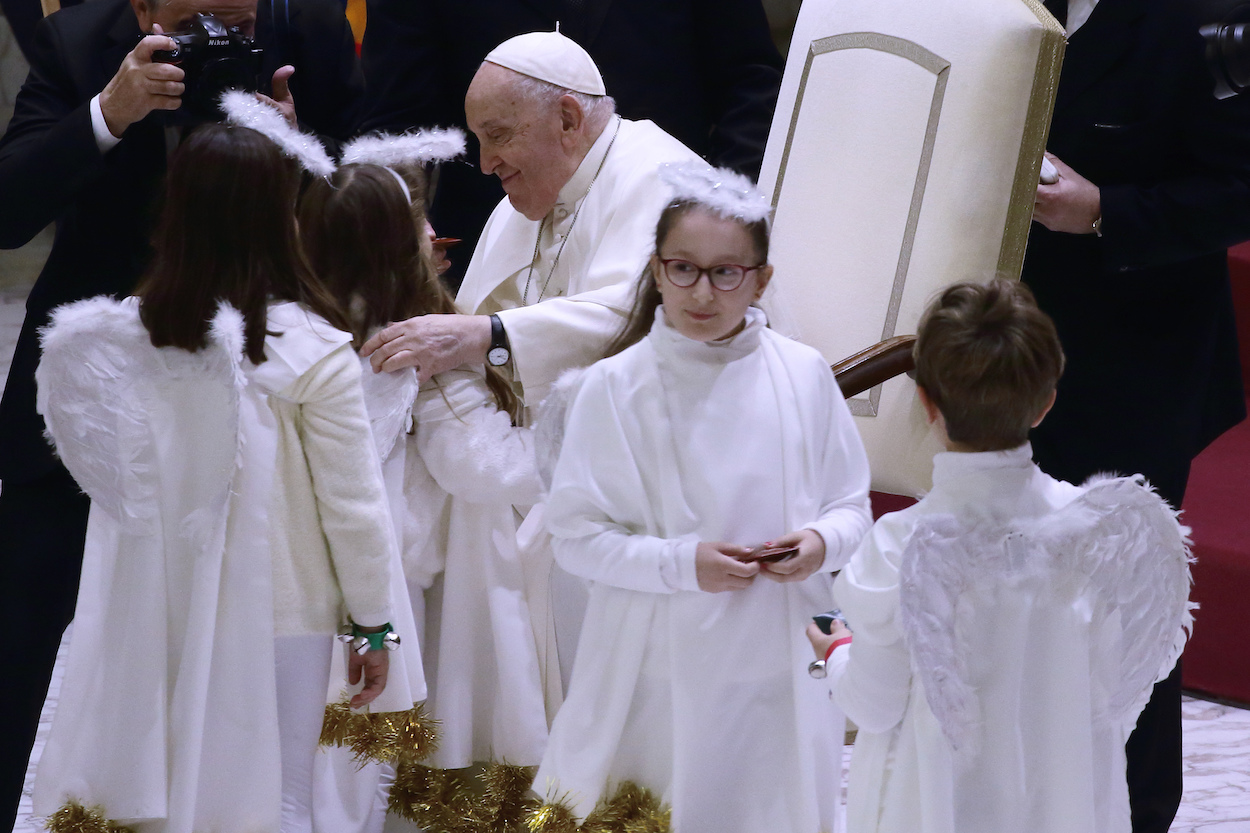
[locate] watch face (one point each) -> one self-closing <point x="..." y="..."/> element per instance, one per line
<point x="498" y="356"/>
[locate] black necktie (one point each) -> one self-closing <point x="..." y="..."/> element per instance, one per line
<point x="1059" y="8"/>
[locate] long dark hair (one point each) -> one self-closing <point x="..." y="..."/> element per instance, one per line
<point x="364" y="239"/>
<point x="647" y="295"/>
<point x="227" y="233"/>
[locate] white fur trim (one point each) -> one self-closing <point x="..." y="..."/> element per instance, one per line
<point x="245" y="110"/>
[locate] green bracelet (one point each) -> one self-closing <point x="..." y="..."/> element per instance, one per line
<point x="362" y="643"/>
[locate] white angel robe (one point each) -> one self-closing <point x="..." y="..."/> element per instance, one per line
<point x="702" y="697"/>
<point x="467" y="466"/>
<point x="562" y="287"/>
<point x="229" y="501"/>
<point x="1009" y="629"/>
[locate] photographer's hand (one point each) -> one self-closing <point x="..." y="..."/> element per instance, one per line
<point x="140" y="86"/>
<point x="282" y="99"/>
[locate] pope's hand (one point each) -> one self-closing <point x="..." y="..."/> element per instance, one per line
<point x="1070" y="205"/>
<point x="141" y="86"/>
<point x="430" y="343"/>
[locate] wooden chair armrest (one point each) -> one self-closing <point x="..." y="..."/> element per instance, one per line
<point x="869" y="368"/>
<point x="50" y="6"/>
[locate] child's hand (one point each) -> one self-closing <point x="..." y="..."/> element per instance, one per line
<point x="718" y="568"/>
<point x="375" y="665"/>
<point x="821" y="640"/>
<point x="798" y="567"/>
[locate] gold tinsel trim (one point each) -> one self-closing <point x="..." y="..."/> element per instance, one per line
<point x="75" y="818"/>
<point x="445" y="801"/>
<point x="632" y="809"/>
<point x="380" y="736"/>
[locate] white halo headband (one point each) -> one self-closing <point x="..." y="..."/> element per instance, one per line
<point x="244" y="110"/>
<point x="392" y="150"/>
<point x="729" y="194"/>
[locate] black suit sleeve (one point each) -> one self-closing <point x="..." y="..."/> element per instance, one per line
<point x="1176" y="172"/>
<point x="1205" y="209"/>
<point x="401" y="56"/>
<point x="741" y="77"/>
<point x="327" y="84"/>
<point x="49" y="152"/>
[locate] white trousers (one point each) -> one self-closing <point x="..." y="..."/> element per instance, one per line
<point x="303" y="670"/>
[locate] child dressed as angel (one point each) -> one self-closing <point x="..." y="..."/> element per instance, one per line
<point x="1009" y="627"/>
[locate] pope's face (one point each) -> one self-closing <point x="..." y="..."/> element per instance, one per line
<point x="176" y="15"/>
<point x="524" y="143"/>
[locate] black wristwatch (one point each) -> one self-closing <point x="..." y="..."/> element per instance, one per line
<point x="499" y="353"/>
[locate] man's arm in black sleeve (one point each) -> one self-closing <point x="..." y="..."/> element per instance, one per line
<point x="401" y="59"/>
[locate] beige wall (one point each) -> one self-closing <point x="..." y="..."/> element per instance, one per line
<point x="18" y="267"/>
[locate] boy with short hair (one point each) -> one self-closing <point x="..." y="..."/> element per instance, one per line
<point x="1009" y="626"/>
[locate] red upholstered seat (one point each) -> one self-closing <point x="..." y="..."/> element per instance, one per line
<point x="1217" y="507"/>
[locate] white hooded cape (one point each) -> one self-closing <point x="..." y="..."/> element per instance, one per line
<point x="703" y="698"/>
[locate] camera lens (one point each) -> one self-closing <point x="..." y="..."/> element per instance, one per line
<point x="1228" y="56"/>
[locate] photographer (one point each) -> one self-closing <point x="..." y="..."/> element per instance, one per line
<point x="87" y="147"/>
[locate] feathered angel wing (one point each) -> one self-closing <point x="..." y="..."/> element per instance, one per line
<point x="549" y="423"/>
<point x="95" y="382"/>
<point x="93" y="416"/>
<point x="1119" y="534"/>
<point x="935" y="569"/>
<point x="1137" y="555"/>
<point x="388" y="400"/>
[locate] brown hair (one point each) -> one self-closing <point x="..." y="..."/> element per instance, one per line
<point x="227" y="233"/>
<point x="364" y="239"/>
<point x="647" y="294"/>
<point x="989" y="359"/>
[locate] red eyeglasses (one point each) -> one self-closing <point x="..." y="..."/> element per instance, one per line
<point x="723" y="276"/>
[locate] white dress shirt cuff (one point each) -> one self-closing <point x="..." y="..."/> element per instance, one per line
<point x="104" y="140"/>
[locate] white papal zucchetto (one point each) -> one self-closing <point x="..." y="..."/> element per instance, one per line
<point x="550" y="57"/>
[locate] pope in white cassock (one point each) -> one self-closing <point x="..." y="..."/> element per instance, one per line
<point x="553" y="275"/>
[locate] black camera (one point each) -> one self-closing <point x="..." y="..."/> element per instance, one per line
<point x="215" y="59"/>
<point x="1227" y="44"/>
